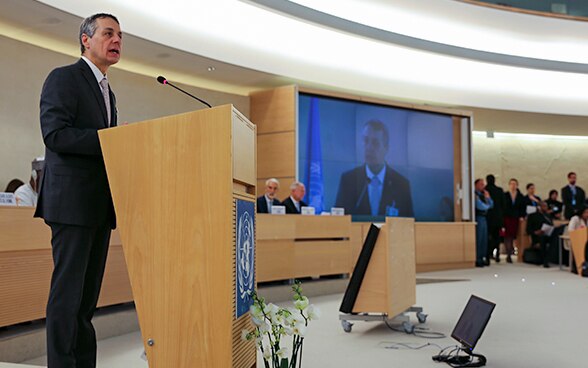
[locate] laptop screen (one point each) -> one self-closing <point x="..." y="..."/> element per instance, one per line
<point x="473" y="321"/>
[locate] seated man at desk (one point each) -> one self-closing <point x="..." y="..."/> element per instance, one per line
<point x="266" y="201"/>
<point x="294" y="203"/>
<point x="542" y="230"/>
<point x="27" y="194"/>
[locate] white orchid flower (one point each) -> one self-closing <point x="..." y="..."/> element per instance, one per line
<point x="257" y="320"/>
<point x="313" y="312"/>
<point x="264" y="328"/>
<point x="267" y="352"/>
<point x="300" y="330"/>
<point x="301" y="303"/>
<point x="283" y="353"/>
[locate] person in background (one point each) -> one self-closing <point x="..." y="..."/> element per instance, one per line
<point x="535" y="222"/>
<point x="13" y="185"/>
<point x="531" y="199"/>
<point x="74" y="197"/>
<point x="266" y="201"/>
<point x="26" y="195"/>
<point x="294" y="202"/>
<point x="495" y="217"/>
<point x="514" y="213"/>
<point x="555" y="206"/>
<point x="579" y="220"/>
<point x="573" y="196"/>
<point x="483" y="204"/>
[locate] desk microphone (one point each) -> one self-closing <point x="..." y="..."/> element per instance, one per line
<point x="164" y="81"/>
<point x="365" y="186"/>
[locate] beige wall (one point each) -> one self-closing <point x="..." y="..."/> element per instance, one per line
<point x="23" y="69"/>
<point x="544" y="162"/>
<point x="528" y="122"/>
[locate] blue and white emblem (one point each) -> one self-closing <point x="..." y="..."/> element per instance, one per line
<point x="244" y="255"/>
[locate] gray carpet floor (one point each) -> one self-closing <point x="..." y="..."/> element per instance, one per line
<point x="540" y="321"/>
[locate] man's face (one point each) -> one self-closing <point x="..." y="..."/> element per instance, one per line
<point x="298" y="193"/>
<point x="374" y="145"/>
<point x="480" y="185"/>
<point x="572" y="179"/>
<point x="271" y="189"/>
<point x="104" y="48"/>
<point x="543" y="207"/>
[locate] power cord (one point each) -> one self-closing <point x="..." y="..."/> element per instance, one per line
<point x="418" y="331"/>
<point x="407" y="345"/>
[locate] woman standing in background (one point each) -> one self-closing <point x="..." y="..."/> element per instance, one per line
<point x="514" y="213"/>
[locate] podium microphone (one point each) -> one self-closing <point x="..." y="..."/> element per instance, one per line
<point x="164" y="81"/>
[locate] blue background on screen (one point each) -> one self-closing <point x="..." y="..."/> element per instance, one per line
<point x="421" y="149"/>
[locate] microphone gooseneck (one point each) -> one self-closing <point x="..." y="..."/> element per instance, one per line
<point x="164" y="81"/>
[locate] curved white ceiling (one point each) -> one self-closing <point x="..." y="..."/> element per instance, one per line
<point x="243" y="34"/>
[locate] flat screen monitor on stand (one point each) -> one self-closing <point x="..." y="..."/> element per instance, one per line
<point x="467" y="332"/>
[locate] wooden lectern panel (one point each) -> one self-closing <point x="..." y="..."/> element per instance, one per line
<point x="389" y="284"/>
<point x="172" y="181"/>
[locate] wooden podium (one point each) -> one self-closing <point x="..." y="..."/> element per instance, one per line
<point x="175" y="183"/>
<point x="389" y="284"/>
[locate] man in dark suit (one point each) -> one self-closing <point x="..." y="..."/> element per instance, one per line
<point x="75" y="199"/>
<point x="375" y="188"/>
<point x="294" y="202"/>
<point x="547" y="241"/>
<point x="266" y="201"/>
<point x="494" y="217"/>
<point x="573" y="196"/>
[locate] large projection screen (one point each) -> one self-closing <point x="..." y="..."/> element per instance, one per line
<point x="377" y="160"/>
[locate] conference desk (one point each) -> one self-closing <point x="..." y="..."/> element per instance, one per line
<point x="288" y="246"/>
<point x="26" y="265"/>
<point x="438" y="245"/>
<point x="293" y="246"/>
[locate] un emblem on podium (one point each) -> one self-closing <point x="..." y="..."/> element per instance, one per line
<point x="244" y="255"/>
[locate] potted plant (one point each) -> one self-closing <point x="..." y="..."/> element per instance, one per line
<point x="273" y="325"/>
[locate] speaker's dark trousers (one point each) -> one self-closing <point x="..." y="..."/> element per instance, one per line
<point x="79" y="258"/>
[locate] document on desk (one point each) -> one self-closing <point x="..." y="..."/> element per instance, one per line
<point x="547" y="229"/>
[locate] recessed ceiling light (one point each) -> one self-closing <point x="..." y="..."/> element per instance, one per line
<point x="51" y="20"/>
<point x="211" y="68"/>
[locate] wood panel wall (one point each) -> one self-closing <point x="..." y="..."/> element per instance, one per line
<point x="275" y="114"/>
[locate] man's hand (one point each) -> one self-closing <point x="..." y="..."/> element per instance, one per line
<point x="538" y="232"/>
<point x="486" y="194"/>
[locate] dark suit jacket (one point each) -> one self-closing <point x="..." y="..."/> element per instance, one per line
<point x="290" y="207"/>
<point x="74" y="188"/>
<point x="516" y="209"/>
<point x="566" y="197"/>
<point x="534" y="223"/>
<point x="353" y="194"/>
<point x="495" y="214"/>
<point x="262" y="204"/>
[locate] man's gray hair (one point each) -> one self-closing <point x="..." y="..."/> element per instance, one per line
<point x="272" y="180"/>
<point x="295" y="185"/>
<point x="88" y="26"/>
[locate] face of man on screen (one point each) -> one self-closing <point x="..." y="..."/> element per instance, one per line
<point x="375" y="142"/>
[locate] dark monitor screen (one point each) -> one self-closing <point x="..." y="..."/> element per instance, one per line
<point x="473" y="321"/>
